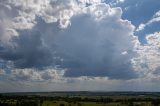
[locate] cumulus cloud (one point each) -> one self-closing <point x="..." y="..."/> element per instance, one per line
<point x="103" y="47"/>
<point x="25" y="74"/>
<point x="30" y="74"/>
<point x="53" y="74"/>
<point x="5" y="23"/>
<point x="148" y="62"/>
<point x="18" y="15"/>
<point x="82" y="39"/>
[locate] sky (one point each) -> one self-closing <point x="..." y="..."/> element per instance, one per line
<point x="79" y="45"/>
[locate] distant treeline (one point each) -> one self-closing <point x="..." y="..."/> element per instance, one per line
<point x="85" y="93"/>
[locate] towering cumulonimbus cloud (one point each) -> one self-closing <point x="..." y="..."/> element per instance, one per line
<point x="80" y="37"/>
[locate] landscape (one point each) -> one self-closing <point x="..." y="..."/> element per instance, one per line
<point x="80" y="98"/>
<point x="79" y="52"/>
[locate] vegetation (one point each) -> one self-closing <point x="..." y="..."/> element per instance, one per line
<point x="32" y="100"/>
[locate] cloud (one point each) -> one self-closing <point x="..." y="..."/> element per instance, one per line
<point x="133" y="10"/>
<point x="56" y="44"/>
<point x="114" y="3"/>
<point x="2" y="72"/>
<point x="157" y="14"/>
<point x="18" y="15"/>
<point x="148" y="61"/>
<point x="103" y="47"/>
<point x="53" y="74"/>
<point x="82" y="40"/>
<point x="141" y="27"/>
<point x="30" y="74"/>
<point x="5" y="24"/>
<point x="25" y="74"/>
<point x="156" y="18"/>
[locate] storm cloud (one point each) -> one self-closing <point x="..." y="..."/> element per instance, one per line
<point x="82" y="38"/>
<point x="94" y="41"/>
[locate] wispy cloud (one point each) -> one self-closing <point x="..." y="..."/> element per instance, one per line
<point x="156" y="18"/>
